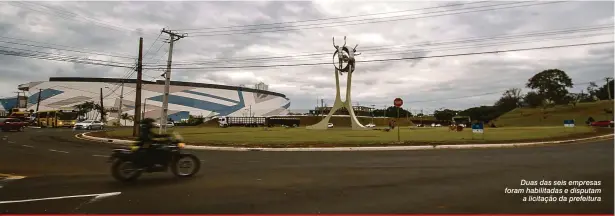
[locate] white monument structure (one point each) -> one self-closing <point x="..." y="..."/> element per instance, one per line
<point x="345" y="63"/>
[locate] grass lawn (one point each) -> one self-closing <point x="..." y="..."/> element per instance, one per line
<point x="556" y="115"/>
<point x="345" y="137"/>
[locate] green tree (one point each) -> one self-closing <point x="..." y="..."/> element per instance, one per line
<point x="102" y="111"/>
<point x="445" y="115"/>
<point x="602" y="92"/>
<point x="552" y="84"/>
<point x="84" y="108"/>
<point x="533" y="99"/>
<point x="392" y="112"/>
<point x="510" y="100"/>
<point x="125" y="117"/>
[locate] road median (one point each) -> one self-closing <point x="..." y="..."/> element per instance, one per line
<point x="399" y="146"/>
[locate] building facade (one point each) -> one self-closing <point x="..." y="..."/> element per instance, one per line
<point x="185" y="98"/>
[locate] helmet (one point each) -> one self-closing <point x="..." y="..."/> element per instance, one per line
<point x="147" y="123"/>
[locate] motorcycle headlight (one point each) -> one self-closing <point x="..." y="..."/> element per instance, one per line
<point x="181" y="145"/>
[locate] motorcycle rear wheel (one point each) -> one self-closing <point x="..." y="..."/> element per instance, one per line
<point x="193" y="163"/>
<point x="119" y="168"/>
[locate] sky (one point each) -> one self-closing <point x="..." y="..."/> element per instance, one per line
<point x="222" y="34"/>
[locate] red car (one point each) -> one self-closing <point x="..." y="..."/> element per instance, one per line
<point x="602" y="124"/>
<point x="8" y="124"/>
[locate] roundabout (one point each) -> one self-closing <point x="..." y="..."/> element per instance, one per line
<point x="298" y="139"/>
<point x="250" y="182"/>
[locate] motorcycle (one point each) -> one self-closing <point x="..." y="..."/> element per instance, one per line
<point x="129" y="163"/>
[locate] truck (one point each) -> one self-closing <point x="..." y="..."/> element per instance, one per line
<point x="228" y="121"/>
<point x="282" y="121"/>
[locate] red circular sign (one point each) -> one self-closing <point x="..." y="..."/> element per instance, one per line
<point x="398" y="102"/>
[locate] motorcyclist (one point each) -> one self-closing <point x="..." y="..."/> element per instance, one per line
<point x="147" y="136"/>
<point x="148" y="153"/>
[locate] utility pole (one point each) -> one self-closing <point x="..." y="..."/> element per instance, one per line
<point x="38" y="102"/>
<point x="102" y="107"/>
<point x="373" y="109"/>
<point x="17" y="100"/>
<point x="608" y="87"/>
<point x="385" y="111"/>
<point x="144" y="108"/>
<point x="167" y="82"/>
<point x="322" y="107"/>
<point x="136" y="117"/>
<point x="251" y="111"/>
<point x="119" y="110"/>
<point x="317" y="108"/>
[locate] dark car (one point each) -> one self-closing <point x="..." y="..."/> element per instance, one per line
<point x="8" y="124"/>
<point x="602" y="124"/>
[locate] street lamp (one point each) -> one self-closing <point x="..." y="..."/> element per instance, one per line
<point x="144" y="107"/>
<point x="373" y="108"/>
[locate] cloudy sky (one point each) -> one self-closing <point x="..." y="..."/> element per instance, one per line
<point x="224" y="34"/>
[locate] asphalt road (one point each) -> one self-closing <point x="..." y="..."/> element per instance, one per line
<point x="57" y="166"/>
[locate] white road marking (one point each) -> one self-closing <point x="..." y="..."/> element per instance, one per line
<point x="100" y="155"/>
<point x="53" y="150"/>
<point x="12" y="142"/>
<point x="96" y="197"/>
<point x="29" y="146"/>
<point x="7" y="178"/>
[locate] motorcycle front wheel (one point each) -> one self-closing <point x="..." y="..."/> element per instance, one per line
<point x="123" y="170"/>
<point x="186" y="165"/>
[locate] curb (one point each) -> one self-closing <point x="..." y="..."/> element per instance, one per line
<point x="84" y="136"/>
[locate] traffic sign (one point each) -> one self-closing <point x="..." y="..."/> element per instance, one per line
<point x="398" y="102"/>
<point x="478" y="128"/>
<point x="569" y="123"/>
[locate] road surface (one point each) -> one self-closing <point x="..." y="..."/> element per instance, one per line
<point x="67" y="175"/>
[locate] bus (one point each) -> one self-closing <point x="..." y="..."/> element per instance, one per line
<point x="56" y="118"/>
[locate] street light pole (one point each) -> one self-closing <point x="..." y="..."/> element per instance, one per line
<point x="373" y="108"/>
<point x="144" y="106"/>
<point x="119" y="109"/>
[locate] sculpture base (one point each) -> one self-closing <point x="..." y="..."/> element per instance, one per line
<point x="324" y="124"/>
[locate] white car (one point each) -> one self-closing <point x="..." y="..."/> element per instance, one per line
<point x="89" y="125"/>
<point x="330" y="125"/>
<point x="370" y="125"/>
<point x="169" y="124"/>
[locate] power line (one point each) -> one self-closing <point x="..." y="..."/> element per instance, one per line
<point x="77" y="51"/>
<point x="26" y="55"/>
<point x="196" y="34"/>
<point x="80" y="48"/>
<point x="54" y="56"/>
<point x="477" y="95"/>
<point x="403" y="58"/>
<point x="333" y="18"/>
<point x="350" y="21"/>
<point x="445" y="48"/>
<point x="133" y="70"/>
<point x="71" y="17"/>
<point x="448" y="48"/>
<point x="447" y="41"/>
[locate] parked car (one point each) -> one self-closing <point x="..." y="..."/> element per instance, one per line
<point x="169" y="124"/>
<point x="9" y="124"/>
<point x="605" y="123"/>
<point x="89" y="125"/>
<point x="330" y="125"/>
<point x="370" y="125"/>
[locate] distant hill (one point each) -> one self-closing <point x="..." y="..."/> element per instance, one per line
<point x="556" y="115"/>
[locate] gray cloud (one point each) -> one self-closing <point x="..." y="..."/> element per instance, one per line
<point x="436" y="79"/>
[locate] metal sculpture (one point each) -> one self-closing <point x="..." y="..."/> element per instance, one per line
<point x="345" y="63"/>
